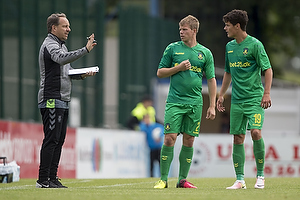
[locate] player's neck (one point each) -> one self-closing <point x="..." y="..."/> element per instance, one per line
<point x="191" y="43"/>
<point x="241" y="37"/>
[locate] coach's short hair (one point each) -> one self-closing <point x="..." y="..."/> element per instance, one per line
<point x="53" y="19"/>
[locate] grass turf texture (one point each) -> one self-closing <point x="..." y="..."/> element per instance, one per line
<point x="123" y="189"/>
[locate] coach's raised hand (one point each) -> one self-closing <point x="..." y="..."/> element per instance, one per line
<point x="90" y="43"/>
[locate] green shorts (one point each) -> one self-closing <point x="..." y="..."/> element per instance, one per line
<point x="181" y="118"/>
<point x="246" y="115"/>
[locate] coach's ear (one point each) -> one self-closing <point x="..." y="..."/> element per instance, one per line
<point x="53" y="29"/>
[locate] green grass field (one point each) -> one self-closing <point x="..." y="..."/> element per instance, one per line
<point x="123" y="189"/>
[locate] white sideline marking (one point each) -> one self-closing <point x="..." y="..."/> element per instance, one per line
<point x="17" y="187"/>
<point x="100" y="186"/>
<point x="125" y="184"/>
<point x="85" y="180"/>
<point x="116" y="185"/>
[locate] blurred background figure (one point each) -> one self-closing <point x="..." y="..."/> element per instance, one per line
<point x="145" y="107"/>
<point x="154" y="134"/>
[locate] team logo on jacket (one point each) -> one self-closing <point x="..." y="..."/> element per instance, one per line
<point x="167" y="127"/>
<point x="245" y="51"/>
<point x="200" y="56"/>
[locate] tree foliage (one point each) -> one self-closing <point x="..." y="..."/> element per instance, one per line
<point x="276" y="23"/>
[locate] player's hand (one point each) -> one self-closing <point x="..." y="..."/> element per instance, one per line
<point x="211" y="113"/>
<point x="266" y="101"/>
<point x="90" y="43"/>
<point x="185" y="65"/>
<point x="220" y="105"/>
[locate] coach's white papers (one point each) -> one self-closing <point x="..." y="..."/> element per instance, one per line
<point x="83" y="70"/>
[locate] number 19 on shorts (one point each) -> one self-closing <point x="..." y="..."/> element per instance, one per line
<point x="257" y="118"/>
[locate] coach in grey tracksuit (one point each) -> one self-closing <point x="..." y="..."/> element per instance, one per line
<point x="55" y="93"/>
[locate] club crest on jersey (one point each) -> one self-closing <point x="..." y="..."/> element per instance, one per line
<point x="200" y="56"/>
<point x="167" y="127"/>
<point x="245" y="51"/>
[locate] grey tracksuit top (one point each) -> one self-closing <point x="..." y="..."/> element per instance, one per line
<point x="54" y="63"/>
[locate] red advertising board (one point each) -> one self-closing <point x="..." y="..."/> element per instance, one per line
<point x="21" y="142"/>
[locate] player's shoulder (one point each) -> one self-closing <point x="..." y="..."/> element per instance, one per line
<point x="201" y="46"/>
<point x="254" y="42"/>
<point x="203" y="49"/>
<point x="231" y="43"/>
<point x="252" y="39"/>
<point x="175" y="44"/>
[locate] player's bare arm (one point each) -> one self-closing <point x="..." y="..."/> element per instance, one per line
<point x="266" y="99"/>
<point x="225" y="85"/>
<point x="166" y="72"/>
<point x="212" y="91"/>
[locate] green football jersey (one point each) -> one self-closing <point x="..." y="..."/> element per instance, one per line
<point x="244" y="62"/>
<point x="186" y="86"/>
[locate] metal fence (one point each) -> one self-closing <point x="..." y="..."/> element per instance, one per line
<point x="143" y="39"/>
<point x="23" y="28"/>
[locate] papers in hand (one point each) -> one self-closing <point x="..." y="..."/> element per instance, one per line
<point x="83" y="70"/>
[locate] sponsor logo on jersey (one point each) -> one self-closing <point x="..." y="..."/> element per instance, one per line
<point x="245" y="51"/>
<point x="230" y="51"/>
<point x="179" y="53"/>
<point x="195" y="69"/>
<point x="239" y="64"/>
